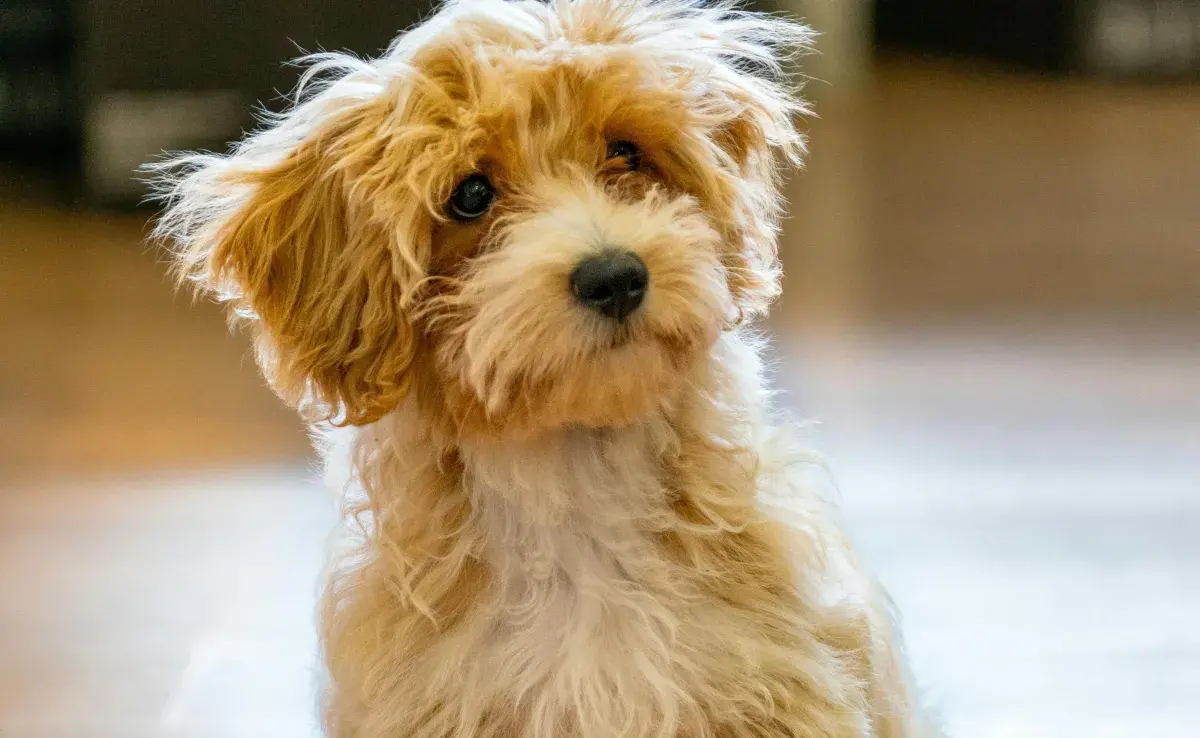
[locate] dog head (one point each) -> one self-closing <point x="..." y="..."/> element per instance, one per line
<point x="524" y="215"/>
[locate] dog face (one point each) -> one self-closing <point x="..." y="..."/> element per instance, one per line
<point x="523" y="216"/>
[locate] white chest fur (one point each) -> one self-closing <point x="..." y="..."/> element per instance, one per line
<point x="565" y="587"/>
<point x="584" y="610"/>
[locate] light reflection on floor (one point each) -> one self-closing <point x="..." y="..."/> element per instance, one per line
<point x="1034" y="506"/>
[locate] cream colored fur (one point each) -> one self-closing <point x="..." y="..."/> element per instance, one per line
<point x="588" y="627"/>
<point x="560" y="526"/>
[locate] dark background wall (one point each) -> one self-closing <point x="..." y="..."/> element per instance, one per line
<point x="38" y="86"/>
<point x="215" y="44"/>
<point x="95" y="87"/>
<point x="90" y="88"/>
<point x="1035" y="33"/>
<point x="1112" y="38"/>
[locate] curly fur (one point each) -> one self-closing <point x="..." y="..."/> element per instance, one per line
<point x="561" y="526"/>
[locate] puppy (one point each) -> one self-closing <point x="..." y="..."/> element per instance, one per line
<point x="516" y="256"/>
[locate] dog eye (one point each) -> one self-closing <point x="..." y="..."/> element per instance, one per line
<point x="472" y="197"/>
<point x="626" y="150"/>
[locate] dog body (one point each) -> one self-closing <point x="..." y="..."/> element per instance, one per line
<point x="609" y="582"/>
<point x="516" y="256"/>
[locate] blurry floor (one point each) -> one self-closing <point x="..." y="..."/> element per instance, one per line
<point x="1034" y="505"/>
<point x="989" y="297"/>
<point x="104" y="369"/>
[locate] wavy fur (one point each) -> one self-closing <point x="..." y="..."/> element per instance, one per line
<point x="559" y="524"/>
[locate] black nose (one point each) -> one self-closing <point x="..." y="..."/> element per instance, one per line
<point x="612" y="284"/>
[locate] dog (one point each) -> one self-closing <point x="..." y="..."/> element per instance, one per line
<point x="516" y="260"/>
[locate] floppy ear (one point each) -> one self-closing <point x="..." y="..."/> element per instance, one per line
<point x="272" y="230"/>
<point x="759" y="104"/>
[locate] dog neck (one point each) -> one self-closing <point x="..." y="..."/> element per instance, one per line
<point x="611" y="486"/>
<point x="617" y="472"/>
<point x="576" y="506"/>
<point x="586" y="479"/>
<point x="599" y="470"/>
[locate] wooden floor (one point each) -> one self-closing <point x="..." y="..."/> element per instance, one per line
<point x="106" y="370"/>
<point x="991" y="306"/>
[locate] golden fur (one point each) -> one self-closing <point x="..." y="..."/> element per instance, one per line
<point x="562" y="526"/>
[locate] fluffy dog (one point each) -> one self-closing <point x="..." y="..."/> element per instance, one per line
<point x="516" y="257"/>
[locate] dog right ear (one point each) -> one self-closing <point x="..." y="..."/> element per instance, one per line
<point x="272" y="230"/>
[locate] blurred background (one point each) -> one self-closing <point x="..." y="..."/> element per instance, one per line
<point x="993" y="284"/>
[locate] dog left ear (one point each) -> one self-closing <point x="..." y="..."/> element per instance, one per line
<point x="754" y="56"/>
<point x="762" y="127"/>
<point x="758" y="138"/>
<point x="272" y="230"/>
